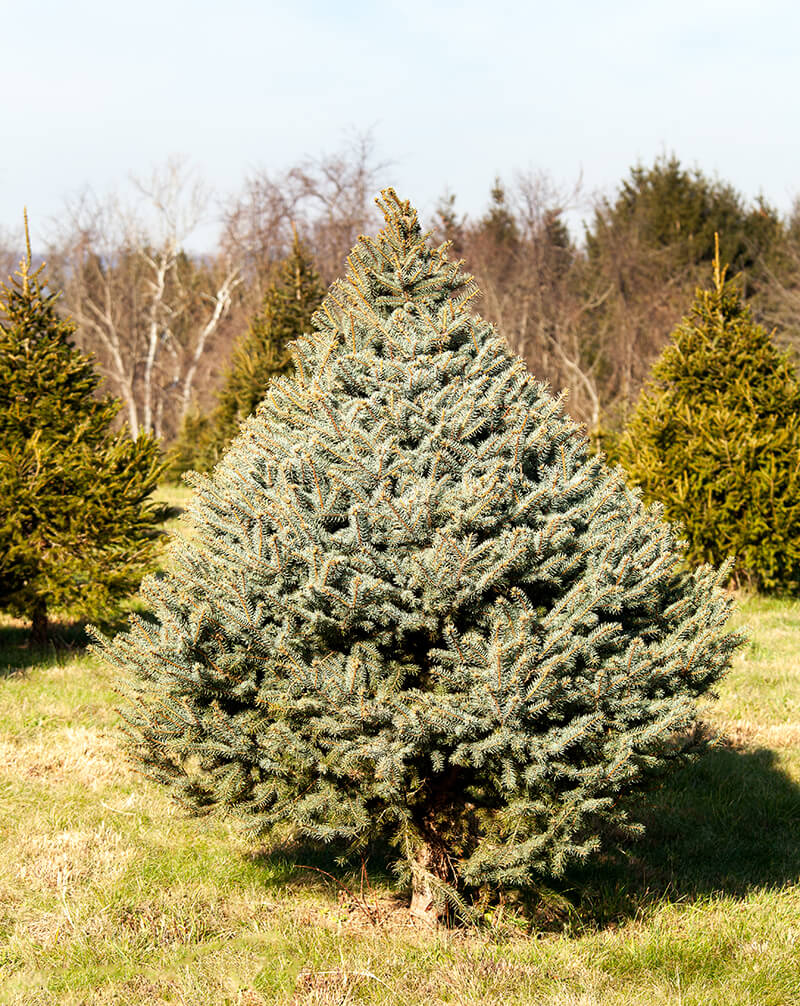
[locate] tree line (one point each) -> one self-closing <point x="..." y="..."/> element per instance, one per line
<point x="714" y="438"/>
<point x="588" y="312"/>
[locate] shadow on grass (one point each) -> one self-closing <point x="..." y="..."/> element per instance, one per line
<point x="171" y="511"/>
<point x="331" y="866"/>
<point x="68" y="640"/>
<point x="725" y="825"/>
<point x="18" y="653"/>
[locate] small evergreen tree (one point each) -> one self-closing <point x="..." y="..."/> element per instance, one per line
<point x="262" y="353"/>
<point x="76" y="528"/>
<point x="716" y="439"/>
<point x="414" y="605"/>
<point x="197" y="447"/>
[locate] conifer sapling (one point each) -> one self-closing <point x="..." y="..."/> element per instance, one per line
<point x="415" y="606"/>
<point x="77" y="529"/>
<point x="715" y="438"/>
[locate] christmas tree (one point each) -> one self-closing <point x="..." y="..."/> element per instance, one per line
<point x="262" y="353"/>
<point x="76" y="528"/>
<point x="415" y="606"/>
<point x="716" y="439"/>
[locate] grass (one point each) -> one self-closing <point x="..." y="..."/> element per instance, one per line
<point x="109" y="894"/>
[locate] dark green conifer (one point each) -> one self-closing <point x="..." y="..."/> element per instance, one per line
<point x="716" y="439"/>
<point x="261" y="354"/>
<point x="76" y="528"/>
<point x="415" y="606"/>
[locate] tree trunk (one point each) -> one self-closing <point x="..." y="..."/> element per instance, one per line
<point x="40" y="629"/>
<point x="431" y="863"/>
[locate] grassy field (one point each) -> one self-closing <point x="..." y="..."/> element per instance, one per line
<point x="108" y="894"/>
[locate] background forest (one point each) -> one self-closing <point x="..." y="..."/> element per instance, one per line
<point x="585" y="288"/>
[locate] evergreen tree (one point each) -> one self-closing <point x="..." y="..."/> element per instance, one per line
<point x="76" y="528"/>
<point x="674" y="214"/>
<point x="647" y="250"/>
<point x="197" y="447"/>
<point x="261" y="354"/>
<point x="414" y="604"/>
<point x="498" y="223"/>
<point x="716" y="439"/>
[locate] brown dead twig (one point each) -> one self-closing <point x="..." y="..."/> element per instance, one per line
<point x="372" y="912"/>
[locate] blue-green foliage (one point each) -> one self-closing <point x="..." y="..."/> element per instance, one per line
<point x="414" y="604"/>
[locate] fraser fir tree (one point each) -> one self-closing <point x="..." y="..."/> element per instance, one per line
<point x="716" y="439"/>
<point x="76" y="528"/>
<point x="262" y="353"/>
<point x="414" y="605"/>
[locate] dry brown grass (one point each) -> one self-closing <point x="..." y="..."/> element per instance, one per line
<point x="85" y="755"/>
<point x="58" y="861"/>
<point x="745" y="734"/>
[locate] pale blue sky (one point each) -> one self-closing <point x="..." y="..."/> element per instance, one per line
<point x="456" y="92"/>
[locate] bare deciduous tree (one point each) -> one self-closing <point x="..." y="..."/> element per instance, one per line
<point x="328" y="199"/>
<point x="10" y="254"/>
<point x="778" y="303"/>
<point x="532" y="278"/>
<point x="147" y="308"/>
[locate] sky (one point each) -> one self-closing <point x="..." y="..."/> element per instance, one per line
<point x="455" y="94"/>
